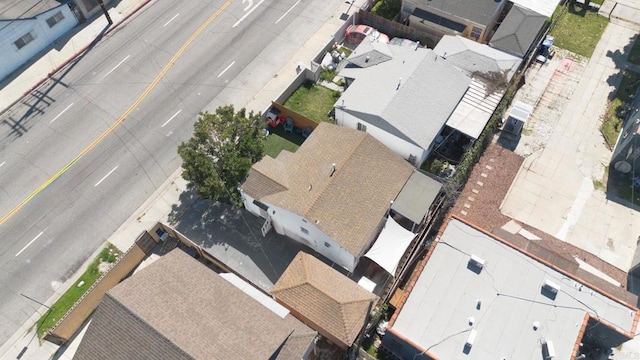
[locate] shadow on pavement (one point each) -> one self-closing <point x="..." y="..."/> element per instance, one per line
<point x="39" y="99"/>
<point x="621" y="189"/>
<point x="234" y="237"/>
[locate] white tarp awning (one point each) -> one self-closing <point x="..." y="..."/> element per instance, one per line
<point x="390" y="246"/>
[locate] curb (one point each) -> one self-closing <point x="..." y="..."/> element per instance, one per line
<point x="110" y="29"/>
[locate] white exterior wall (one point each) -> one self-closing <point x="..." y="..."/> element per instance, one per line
<point x="399" y="146"/>
<point x="290" y="225"/>
<point x="43" y="36"/>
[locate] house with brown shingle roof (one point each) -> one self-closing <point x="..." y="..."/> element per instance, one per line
<point x="333" y="194"/>
<point x="177" y="308"/>
<point x="324" y="299"/>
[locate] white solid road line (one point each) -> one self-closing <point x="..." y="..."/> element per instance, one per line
<point x="170" y="20"/>
<point x="114" y="68"/>
<point x="106" y="176"/>
<point x="248" y="13"/>
<point x="30" y="242"/>
<point x="62" y="112"/>
<point x="171" y="118"/>
<point x="288" y="11"/>
<point x="227" y="68"/>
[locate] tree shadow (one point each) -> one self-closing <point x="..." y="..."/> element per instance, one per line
<point x="577" y="9"/>
<point x="39" y="99"/>
<point x="625" y="82"/>
<point x="232" y="235"/>
<point x="619" y="58"/>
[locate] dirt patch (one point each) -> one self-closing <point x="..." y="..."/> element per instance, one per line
<point x="104" y="266"/>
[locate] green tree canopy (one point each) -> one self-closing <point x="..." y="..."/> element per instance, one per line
<point x="224" y="146"/>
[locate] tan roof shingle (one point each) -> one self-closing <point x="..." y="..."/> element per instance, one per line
<point x="323" y="296"/>
<point x="348" y="205"/>
<point x="176" y="308"/>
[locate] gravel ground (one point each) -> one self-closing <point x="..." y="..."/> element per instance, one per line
<point x="554" y="84"/>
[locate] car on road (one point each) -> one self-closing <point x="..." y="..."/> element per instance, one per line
<point x="355" y="34"/>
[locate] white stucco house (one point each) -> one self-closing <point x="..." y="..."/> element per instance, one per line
<point x="28" y="26"/>
<point x="400" y="95"/>
<point x="333" y="194"/>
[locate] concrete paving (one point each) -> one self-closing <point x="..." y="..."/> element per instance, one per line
<point x="554" y="190"/>
<point x="166" y="203"/>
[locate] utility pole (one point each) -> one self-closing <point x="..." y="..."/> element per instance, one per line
<point x="106" y="13"/>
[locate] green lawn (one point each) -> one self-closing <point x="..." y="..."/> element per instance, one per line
<point x="278" y="140"/>
<point x="388" y="9"/>
<point x="579" y="30"/>
<point x="313" y="101"/>
<point x="634" y="55"/>
<point x="109" y="254"/>
<point x="614" y="118"/>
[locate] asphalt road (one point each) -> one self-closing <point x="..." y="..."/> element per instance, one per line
<point x="68" y="123"/>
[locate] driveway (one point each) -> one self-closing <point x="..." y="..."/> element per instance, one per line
<point x="554" y="189"/>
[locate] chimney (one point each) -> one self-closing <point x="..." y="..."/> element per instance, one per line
<point x="417" y="45"/>
<point x="366" y="59"/>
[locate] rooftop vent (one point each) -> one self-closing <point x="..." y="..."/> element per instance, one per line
<point x="548" y="351"/>
<point x="551" y="287"/>
<point x="471" y="338"/>
<point x="333" y="169"/>
<point x="476" y="261"/>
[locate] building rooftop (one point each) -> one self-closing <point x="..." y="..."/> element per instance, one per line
<point x="416" y="197"/>
<point x="478" y="11"/>
<point x="187" y="311"/>
<point x="334" y="303"/>
<point x="472" y="57"/>
<point x="402" y="94"/>
<point x="505" y="301"/>
<point x="518" y="31"/>
<point x="347" y="204"/>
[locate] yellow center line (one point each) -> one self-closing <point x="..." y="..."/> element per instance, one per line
<point x="124" y="115"/>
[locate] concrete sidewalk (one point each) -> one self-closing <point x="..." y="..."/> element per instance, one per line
<point x="554" y="190"/>
<point x="24" y="343"/>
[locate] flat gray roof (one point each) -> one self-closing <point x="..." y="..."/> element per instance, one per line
<point x="437" y="313"/>
<point x="416" y="197"/>
<point x="478" y="11"/>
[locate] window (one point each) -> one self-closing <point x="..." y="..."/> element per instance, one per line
<point x="362" y="127"/>
<point x="476" y="32"/>
<point x="56" y="18"/>
<point x="304" y="231"/>
<point x="24" y="40"/>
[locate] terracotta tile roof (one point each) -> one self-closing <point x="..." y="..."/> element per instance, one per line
<point x="349" y="205"/>
<point x="176" y="308"/>
<point x="324" y="297"/>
